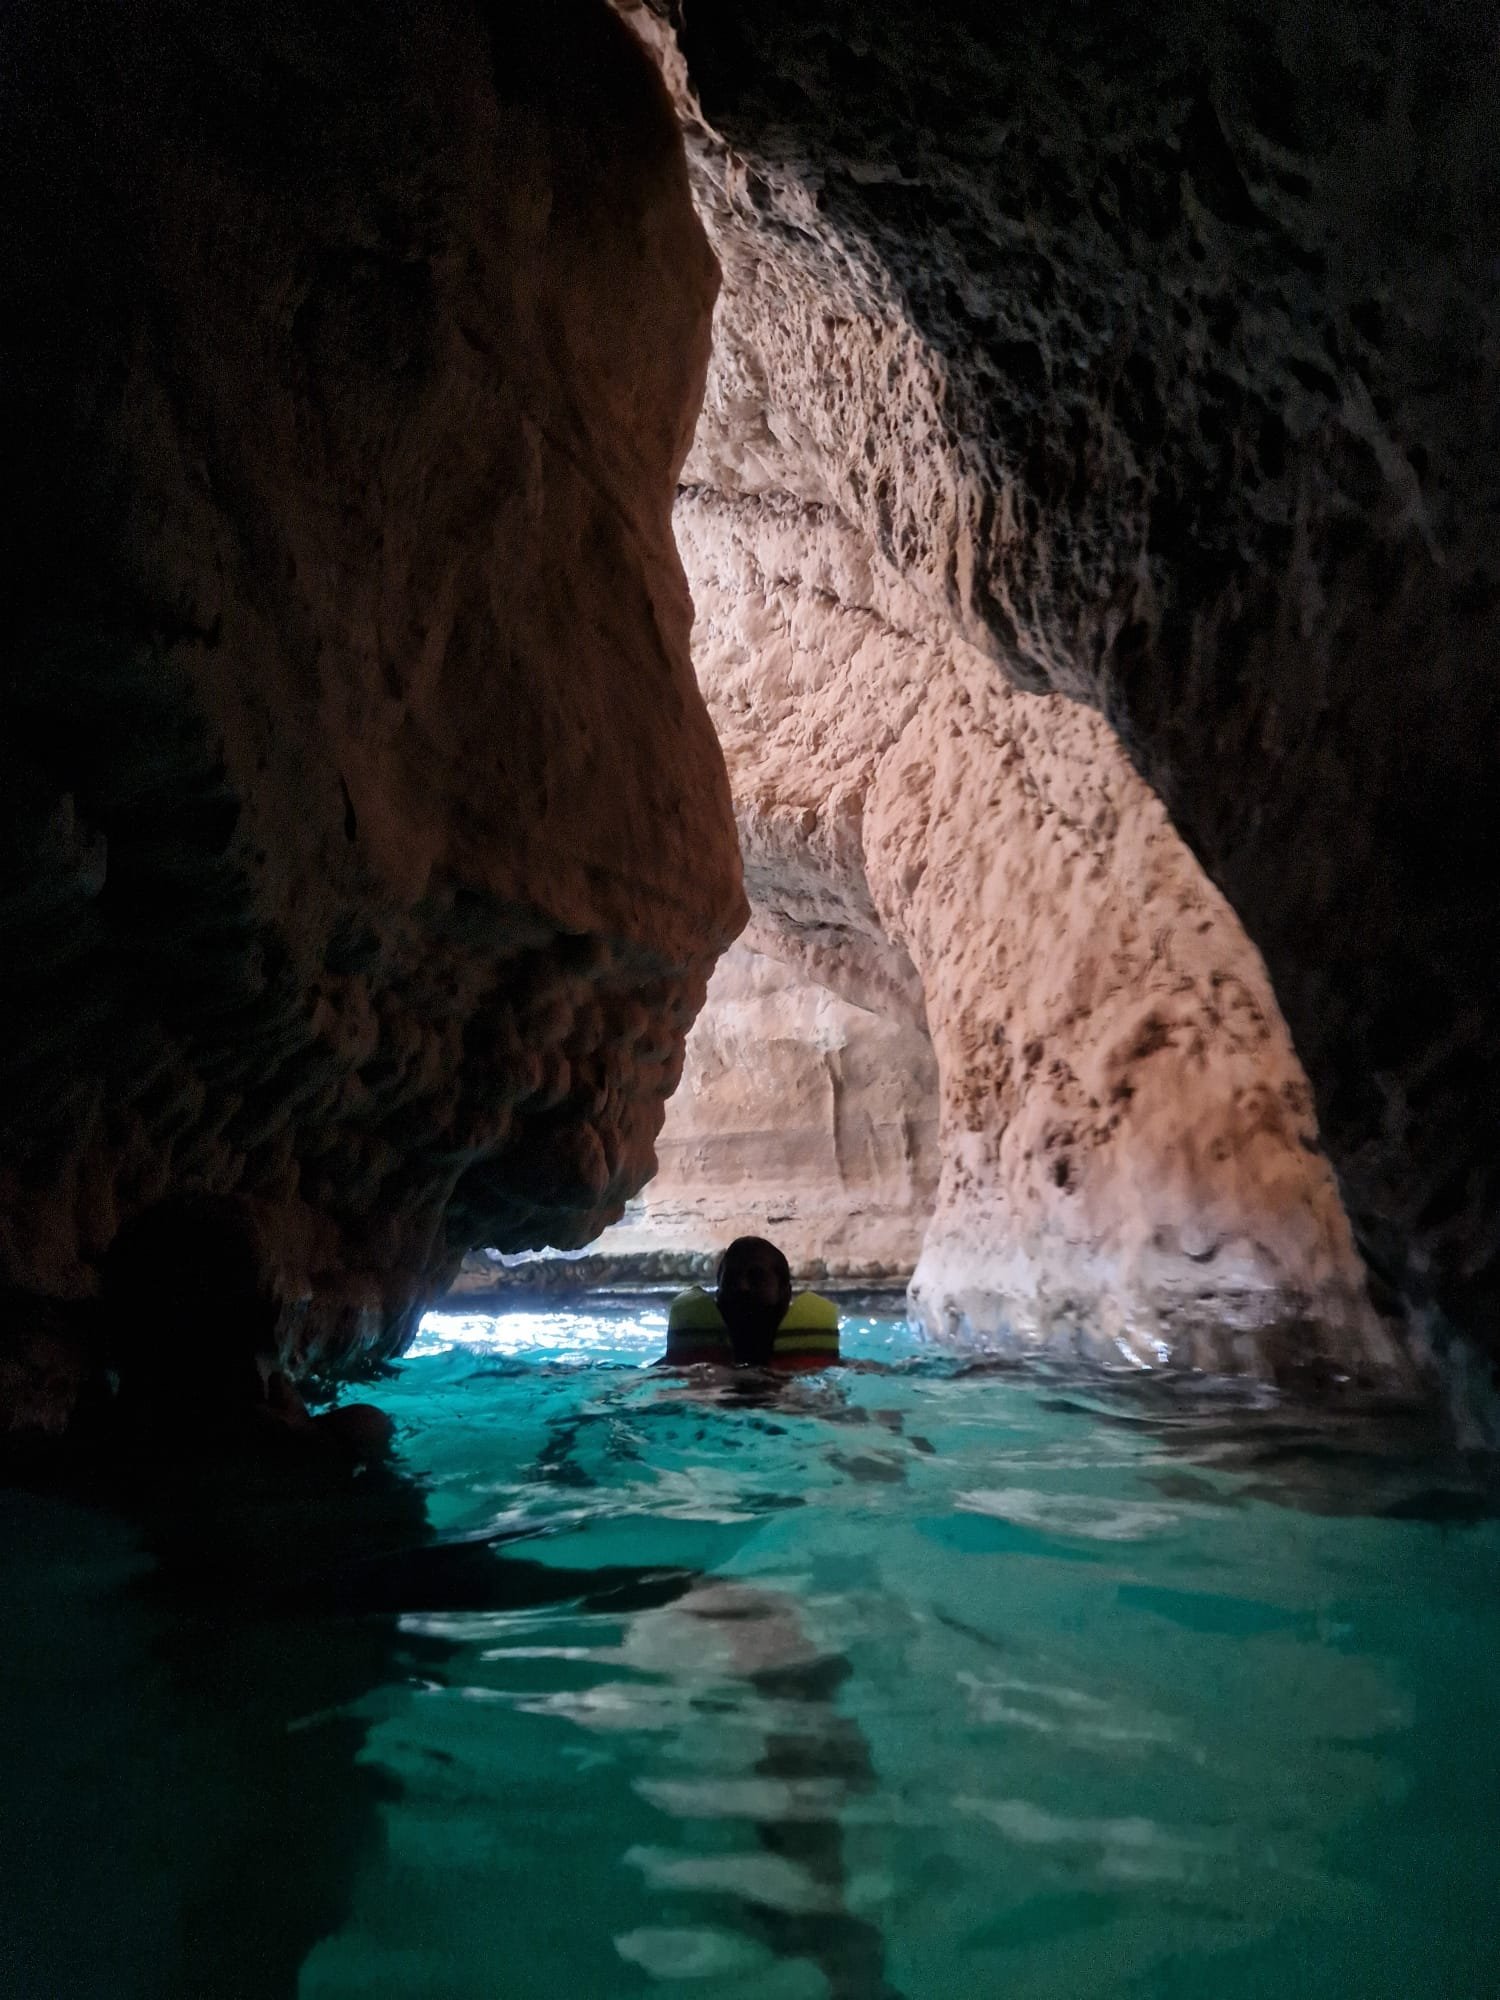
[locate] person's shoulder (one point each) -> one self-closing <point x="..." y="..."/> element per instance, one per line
<point x="810" y="1312"/>
<point x="694" y="1311"/>
<point x="808" y="1336"/>
<point x="695" y="1330"/>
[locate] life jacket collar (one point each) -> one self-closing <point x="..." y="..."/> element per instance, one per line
<point x="807" y="1336"/>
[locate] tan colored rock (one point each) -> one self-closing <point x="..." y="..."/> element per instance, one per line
<point x="1156" y="348"/>
<point x="365" y="846"/>
<point x="800" y="1117"/>
<point x="1130" y="1163"/>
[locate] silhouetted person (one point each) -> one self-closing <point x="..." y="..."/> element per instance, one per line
<point x="278" y="1568"/>
<point x="753" y="1293"/>
<point x="192" y="1323"/>
<point x="753" y="1319"/>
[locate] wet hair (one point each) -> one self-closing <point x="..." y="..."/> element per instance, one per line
<point x="743" y="1243"/>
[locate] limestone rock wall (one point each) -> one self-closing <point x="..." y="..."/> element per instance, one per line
<point x="801" y="1117"/>
<point x="364" y="846"/>
<point x="1129" y="1152"/>
<point x="1158" y="347"/>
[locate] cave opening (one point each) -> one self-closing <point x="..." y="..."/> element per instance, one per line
<point x="910" y="591"/>
<point x="1085" y="1128"/>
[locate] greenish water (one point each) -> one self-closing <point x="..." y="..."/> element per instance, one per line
<point x="913" y="1680"/>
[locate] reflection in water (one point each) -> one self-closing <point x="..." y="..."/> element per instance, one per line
<point x="1023" y="1668"/>
<point x="255" y="1612"/>
<point x="815" y="1761"/>
<point x="1395" y="1462"/>
<point x="204" y="1798"/>
<point x="829" y="1752"/>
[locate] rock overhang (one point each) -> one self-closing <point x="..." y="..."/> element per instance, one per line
<point x="368" y="847"/>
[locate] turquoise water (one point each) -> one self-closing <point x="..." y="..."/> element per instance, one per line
<point x="914" y="1679"/>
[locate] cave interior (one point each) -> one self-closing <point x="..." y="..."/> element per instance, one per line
<point x="979" y="528"/>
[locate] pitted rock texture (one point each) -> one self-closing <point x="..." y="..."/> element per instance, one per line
<point x="1129" y="1153"/>
<point x="800" y="1117"/>
<point x="366" y="848"/>
<point x="1158" y="347"/>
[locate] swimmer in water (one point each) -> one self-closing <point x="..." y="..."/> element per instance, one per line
<point x="752" y="1319"/>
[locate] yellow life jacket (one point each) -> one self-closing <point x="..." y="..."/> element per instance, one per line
<point x="808" y="1336"/>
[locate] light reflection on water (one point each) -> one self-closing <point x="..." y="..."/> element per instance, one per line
<point x="992" y="1683"/>
<point x="560" y="1334"/>
<point x="916" y="1679"/>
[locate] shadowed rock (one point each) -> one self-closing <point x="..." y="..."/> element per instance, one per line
<point x="364" y="846"/>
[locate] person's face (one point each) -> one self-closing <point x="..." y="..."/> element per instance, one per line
<point x="753" y="1291"/>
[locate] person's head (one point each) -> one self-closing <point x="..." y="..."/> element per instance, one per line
<point x="754" y="1288"/>
<point x="191" y="1312"/>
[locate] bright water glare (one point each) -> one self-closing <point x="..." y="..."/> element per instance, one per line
<point x="917" y="1678"/>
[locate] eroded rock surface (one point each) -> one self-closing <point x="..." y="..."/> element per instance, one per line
<point x="1129" y="1152"/>
<point x="1156" y="347"/>
<point x="799" y="1116"/>
<point x="366" y="848"/>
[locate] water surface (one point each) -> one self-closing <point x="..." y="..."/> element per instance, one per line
<point x="917" y="1679"/>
